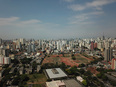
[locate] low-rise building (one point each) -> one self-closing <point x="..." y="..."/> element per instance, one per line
<point x="57" y="83"/>
<point x="72" y="83"/>
<point x="79" y="78"/>
<point x="113" y="65"/>
<point x="55" y="73"/>
<point x="38" y="68"/>
<point x="21" y="70"/>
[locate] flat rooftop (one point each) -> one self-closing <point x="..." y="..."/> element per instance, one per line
<point x="111" y="77"/>
<point x="72" y="83"/>
<point x="114" y="73"/>
<point x="55" y="73"/>
<point x="55" y="84"/>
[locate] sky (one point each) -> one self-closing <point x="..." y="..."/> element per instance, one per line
<point x="57" y="19"/>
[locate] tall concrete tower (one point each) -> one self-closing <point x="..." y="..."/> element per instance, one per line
<point x="108" y="54"/>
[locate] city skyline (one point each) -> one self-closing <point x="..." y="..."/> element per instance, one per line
<point x="57" y="19"/>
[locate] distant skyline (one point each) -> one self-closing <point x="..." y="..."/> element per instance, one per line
<point x="46" y="19"/>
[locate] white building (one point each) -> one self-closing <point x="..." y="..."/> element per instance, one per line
<point x="4" y="60"/>
<point x="79" y="78"/>
<point x="55" y="73"/>
<point x="57" y="83"/>
<point x="22" y="40"/>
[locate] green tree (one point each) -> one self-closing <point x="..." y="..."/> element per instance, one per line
<point x="63" y="66"/>
<point x="6" y="71"/>
<point x="81" y="65"/>
<point x="24" y="77"/>
<point x="6" y="66"/>
<point x="73" y="58"/>
<point x="72" y="55"/>
<point x="88" y="73"/>
<point x="26" y="60"/>
<point x="112" y="83"/>
<point x="99" y="75"/>
<point x="68" y="71"/>
<point x="82" y="71"/>
<point x="104" y="77"/>
<point x="84" y="82"/>
<point x="16" y="81"/>
<point x="73" y="70"/>
<point x="15" y="61"/>
<point x="56" y="64"/>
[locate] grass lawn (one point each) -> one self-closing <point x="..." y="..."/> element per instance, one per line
<point x="78" y="56"/>
<point x="38" y="85"/>
<point x="37" y="79"/>
<point x="67" y="55"/>
<point x="82" y="60"/>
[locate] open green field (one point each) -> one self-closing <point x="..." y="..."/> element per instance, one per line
<point x="78" y="56"/>
<point x="66" y="58"/>
<point x="67" y="55"/>
<point x="82" y="60"/>
<point x="37" y="80"/>
<point x="38" y="85"/>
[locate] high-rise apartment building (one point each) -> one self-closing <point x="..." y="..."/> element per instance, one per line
<point x="22" y="40"/>
<point x="113" y="66"/>
<point x="108" y="54"/>
<point x="58" y="45"/>
<point x="92" y="45"/>
<point x="95" y="45"/>
<point x="4" y="60"/>
<point x="29" y="48"/>
<point x="5" y="52"/>
<point x="33" y="47"/>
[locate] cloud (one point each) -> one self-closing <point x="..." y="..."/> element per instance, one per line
<point x="69" y="0"/>
<point x="31" y="21"/>
<point x="8" y="21"/>
<point x="85" y="18"/>
<point x="14" y="27"/>
<point x="95" y="13"/>
<point x="77" y="7"/>
<point x="15" y="21"/>
<point x="97" y="4"/>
